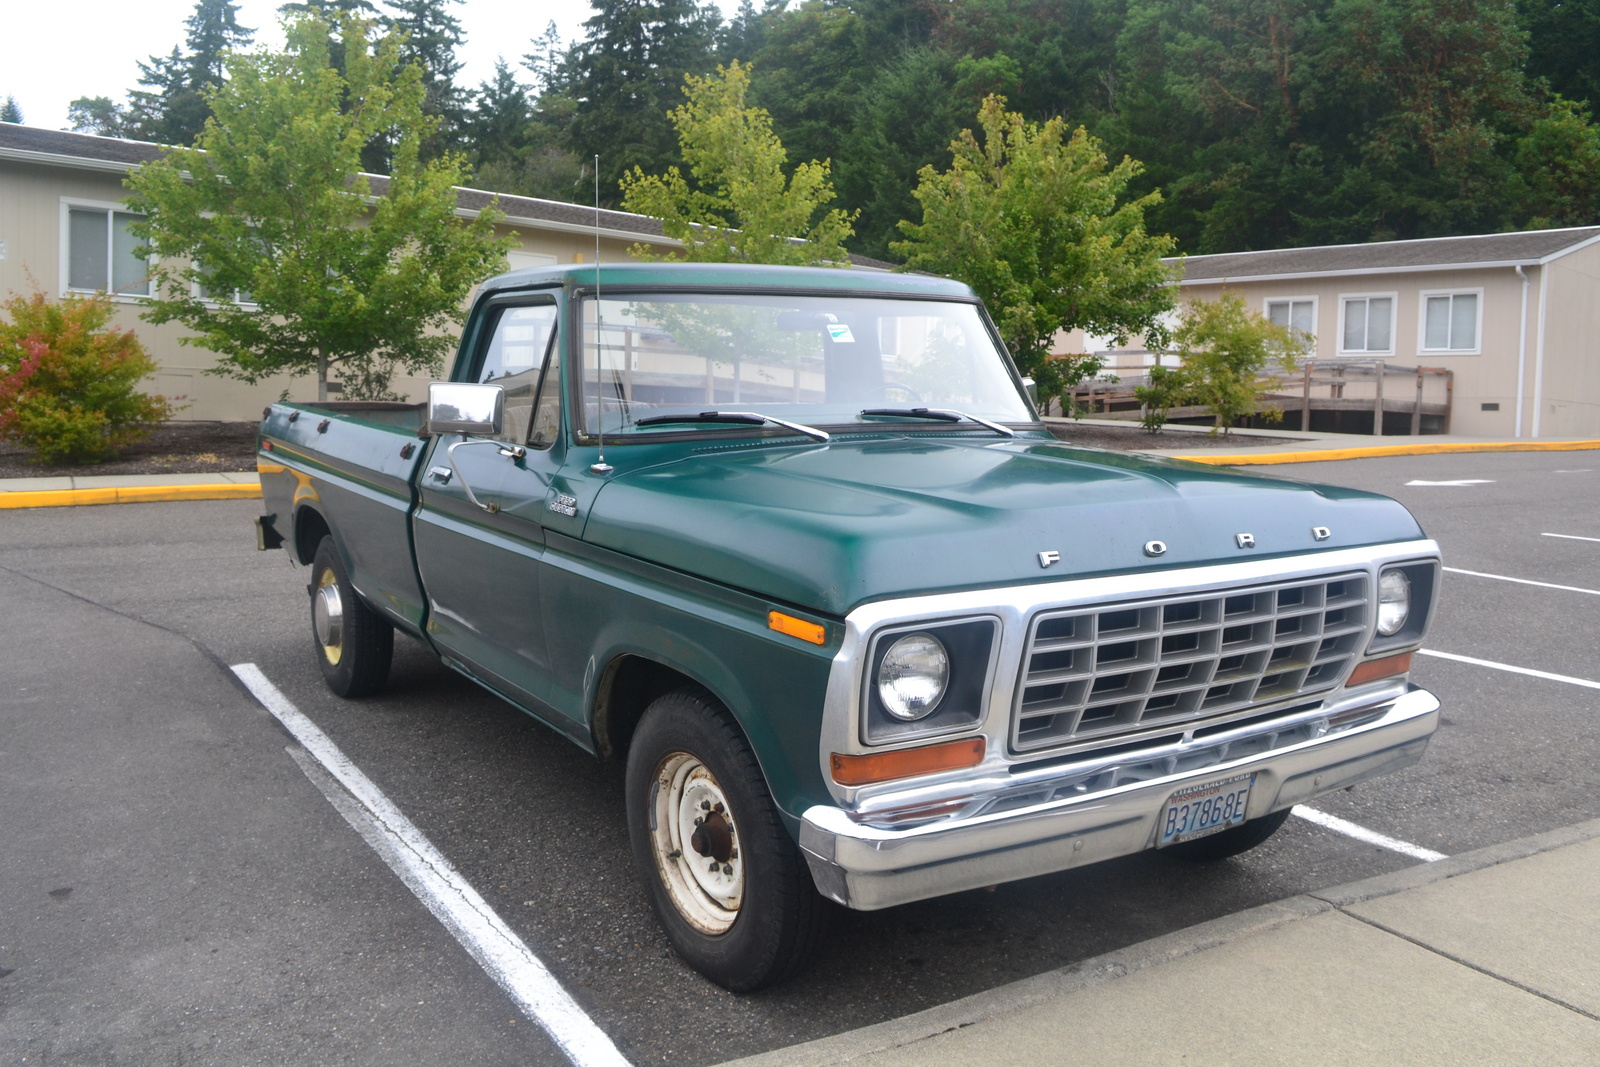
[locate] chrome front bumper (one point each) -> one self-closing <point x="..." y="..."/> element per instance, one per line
<point x="868" y="867"/>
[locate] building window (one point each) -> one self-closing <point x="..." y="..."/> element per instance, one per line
<point x="1368" y="324"/>
<point x="100" y="253"/>
<point x="1297" y="314"/>
<point x="1450" y="321"/>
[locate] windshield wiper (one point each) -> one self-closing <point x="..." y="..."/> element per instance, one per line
<point x="937" y="413"/>
<point x="746" y="418"/>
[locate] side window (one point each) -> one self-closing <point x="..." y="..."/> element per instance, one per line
<point x="100" y="253"/>
<point x="547" y="412"/>
<point x="519" y="341"/>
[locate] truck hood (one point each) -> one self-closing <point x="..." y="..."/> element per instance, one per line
<point x="829" y="527"/>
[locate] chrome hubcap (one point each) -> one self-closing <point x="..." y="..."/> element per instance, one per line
<point x="327" y="616"/>
<point x="696" y="844"/>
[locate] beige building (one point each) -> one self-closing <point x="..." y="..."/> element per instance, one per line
<point x="62" y="226"/>
<point x="1514" y="316"/>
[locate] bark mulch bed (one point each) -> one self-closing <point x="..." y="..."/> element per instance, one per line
<point x="214" y="447"/>
<point x="174" y="448"/>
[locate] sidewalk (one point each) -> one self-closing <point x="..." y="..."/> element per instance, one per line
<point x="1491" y="957"/>
<point x="1323" y="447"/>
<point x="126" y="489"/>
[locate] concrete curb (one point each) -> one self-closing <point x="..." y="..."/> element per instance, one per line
<point x="132" y="494"/>
<point x="1052" y="985"/>
<point x="1246" y="459"/>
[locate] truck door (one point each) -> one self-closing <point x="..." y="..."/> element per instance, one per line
<point x="481" y="568"/>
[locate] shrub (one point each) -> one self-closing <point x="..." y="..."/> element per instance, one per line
<point x="1228" y="350"/>
<point x="1169" y="387"/>
<point x="67" y="379"/>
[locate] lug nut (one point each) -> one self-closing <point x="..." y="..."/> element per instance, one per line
<point x="727" y="868"/>
<point x="719" y="806"/>
<point x="698" y="820"/>
<point x="734" y="854"/>
<point x="705" y="805"/>
<point x="675" y="854"/>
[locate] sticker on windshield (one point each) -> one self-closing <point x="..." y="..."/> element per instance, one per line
<point x="841" y="334"/>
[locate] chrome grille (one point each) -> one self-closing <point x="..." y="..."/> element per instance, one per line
<point x="1100" y="672"/>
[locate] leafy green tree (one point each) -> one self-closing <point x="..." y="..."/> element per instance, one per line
<point x="69" y="381"/>
<point x="625" y="75"/>
<point x="9" y="111"/>
<point x="1559" y="163"/>
<point x="1229" y="351"/>
<point x="99" y="115"/>
<point x="742" y="209"/>
<point x="1037" y="221"/>
<point x="1563" y="45"/>
<point x="266" y="243"/>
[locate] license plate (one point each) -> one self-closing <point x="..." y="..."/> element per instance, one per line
<point x="1204" y="809"/>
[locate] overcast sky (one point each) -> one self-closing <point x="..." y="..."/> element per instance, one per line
<point x="54" y="51"/>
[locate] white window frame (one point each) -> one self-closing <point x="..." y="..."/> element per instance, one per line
<point x="195" y="287"/>
<point x="1394" y="319"/>
<point x="65" y="238"/>
<point x="1316" y="307"/>
<point x="1422" y="323"/>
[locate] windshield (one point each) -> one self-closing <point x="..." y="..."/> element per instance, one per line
<point x="819" y="360"/>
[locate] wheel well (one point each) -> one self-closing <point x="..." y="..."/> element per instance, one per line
<point x="309" y="530"/>
<point x="628" y="686"/>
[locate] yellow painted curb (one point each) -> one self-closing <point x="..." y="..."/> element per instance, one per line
<point x="133" y="494"/>
<point x="1245" y="459"/>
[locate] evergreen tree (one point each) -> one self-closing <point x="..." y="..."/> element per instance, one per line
<point x="547" y="61"/>
<point x="9" y="111"/>
<point x="625" y="75"/>
<point x="432" y="36"/>
<point x="171" y="106"/>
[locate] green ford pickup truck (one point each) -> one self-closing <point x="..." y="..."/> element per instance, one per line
<point x="794" y="544"/>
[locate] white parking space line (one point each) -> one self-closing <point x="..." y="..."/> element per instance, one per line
<point x="1529" y="671"/>
<point x="1524" y="581"/>
<point x="1361" y="833"/>
<point x="445" y="893"/>
<point x="1570" y="537"/>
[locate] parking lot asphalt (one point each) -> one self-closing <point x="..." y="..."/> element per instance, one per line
<point x="535" y="825"/>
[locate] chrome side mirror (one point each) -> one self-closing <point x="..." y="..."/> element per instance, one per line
<point x="1033" y="390"/>
<point x="465" y="407"/>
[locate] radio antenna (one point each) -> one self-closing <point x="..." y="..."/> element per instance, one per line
<point x="600" y="466"/>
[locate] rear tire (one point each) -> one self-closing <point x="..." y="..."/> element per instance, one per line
<point x="354" y="644"/>
<point x="725" y="879"/>
<point x="1241" y="838"/>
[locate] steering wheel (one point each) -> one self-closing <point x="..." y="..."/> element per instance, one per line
<point x="916" y="397"/>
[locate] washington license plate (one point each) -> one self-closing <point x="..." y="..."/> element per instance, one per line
<point x="1204" y="809"/>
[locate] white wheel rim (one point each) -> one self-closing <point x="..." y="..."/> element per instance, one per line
<point x="696" y="843"/>
<point x="327" y="616"/>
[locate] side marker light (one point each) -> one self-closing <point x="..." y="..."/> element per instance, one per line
<point x="813" y="632"/>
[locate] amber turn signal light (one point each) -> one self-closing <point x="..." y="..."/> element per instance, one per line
<point x="906" y="762"/>
<point x="1374" y="669"/>
<point x="814" y="632"/>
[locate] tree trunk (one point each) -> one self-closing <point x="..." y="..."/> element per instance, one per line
<point x="322" y="378"/>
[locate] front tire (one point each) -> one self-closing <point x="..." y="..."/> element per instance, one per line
<point x="725" y="878"/>
<point x="1231" y="842"/>
<point x="354" y="644"/>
